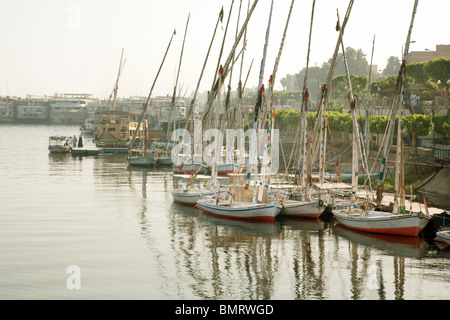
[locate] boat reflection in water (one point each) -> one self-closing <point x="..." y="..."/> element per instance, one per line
<point x="199" y="256"/>
<point x="414" y="247"/>
<point x="238" y="228"/>
<point x="222" y="258"/>
<point x="304" y="224"/>
<point x="444" y="250"/>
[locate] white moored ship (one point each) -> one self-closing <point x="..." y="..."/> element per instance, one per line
<point x="68" y="109"/>
<point x="33" y="110"/>
<point x="7" y="105"/>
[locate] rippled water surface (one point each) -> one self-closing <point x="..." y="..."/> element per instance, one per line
<point x="93" y="228"/>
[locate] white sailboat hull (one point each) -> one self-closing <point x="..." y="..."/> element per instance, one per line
<point x="142" y="160"/>
<point x="305" y="209"/>
<point x="382" y="222"/>
<point x="240" y="210"/>
<point x="443" y="236"/>
<point x="188" y="196"/>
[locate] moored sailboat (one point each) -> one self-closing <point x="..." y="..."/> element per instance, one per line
<point x="239" y="202"/>
<point x="235" y="202"/>
<point x="443" y="236"/>
<point x="398" y="221"/>
<point x="307" y="207"/>
<point x="382" y="222"/>
<point x="240" y="210"/>
<point x="142" y="156"/>
<point x="302" y="209"/>
<point x="188" y="196"/>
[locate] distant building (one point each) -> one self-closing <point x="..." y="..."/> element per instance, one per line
<point x="442" y="51"/>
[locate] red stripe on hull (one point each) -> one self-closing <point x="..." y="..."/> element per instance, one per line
<point x="227" y="172"/>
<point x="248" y="219"/>
<point x="410" y="231"/>
<point x="189" y="172"/>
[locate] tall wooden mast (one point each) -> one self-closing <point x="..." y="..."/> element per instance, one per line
<point x="265" y="172"/>
<point x="144" y="110"/>
<point x="254" y="145"/>
<point x="398" y="102"/>
<point x="174" y="95"/>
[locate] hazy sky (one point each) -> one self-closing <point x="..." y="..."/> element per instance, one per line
<point x="59" y="46"/>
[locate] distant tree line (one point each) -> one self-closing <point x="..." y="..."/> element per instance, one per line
<point x="427" y="73"/>
<point x="415" y="125"/>
<point x="357" y="66"/>
<point x="433" y="73"/>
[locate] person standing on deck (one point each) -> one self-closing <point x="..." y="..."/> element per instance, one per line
<point x="80" y="142"/>
<point x="413" y="100"/>
<point x="74" y="141"/>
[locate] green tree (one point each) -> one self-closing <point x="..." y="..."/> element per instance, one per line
<point x="418" y="125"/>
<point x="286" y="117"/>
<point x="317" y="75"/>
<point x="284" y="82"/>
<point x="386" y="85"/>
<point x="438" y="122"/>
<point x="332" y="106"/>
<point x="340" y="85"/>
<point x="392" y="66"/>
<point x="356" y="60"/>
<point x="438" y="69"/>
<point x="417" y="72"/>
<point x="446" y="128"/>
<point x="378" y="124"/>
<point x="339" y="122"/>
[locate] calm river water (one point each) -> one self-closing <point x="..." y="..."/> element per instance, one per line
<point x="92" y="228"/>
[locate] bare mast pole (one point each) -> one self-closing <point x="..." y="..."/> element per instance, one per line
<point x="116" y="85"/>
<point x="240" y="89"/>
<point x="399" y="196"/>
<point x="303" y="114"/>
<point x="254" y="145"/>
<point x="169" y="124"/>
<point x="358" y="156"/>
<point x="191" y="107"/>
<point x="226" y="66"/>
<point x="260" y="106"/>
<point x="328" y="86"/>
<point x="265" y="171"/>
<point x="144" y="110"/>
<point x="366" y="125"/>
<point x="395" y="105"/>
<point x="218" y="66"/>
<point x="229" y="115"/>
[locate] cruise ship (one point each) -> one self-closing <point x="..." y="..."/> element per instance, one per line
<point x="69" y="108"/>
<point x="7" y="106"/>
<point x="33" y="110"/>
